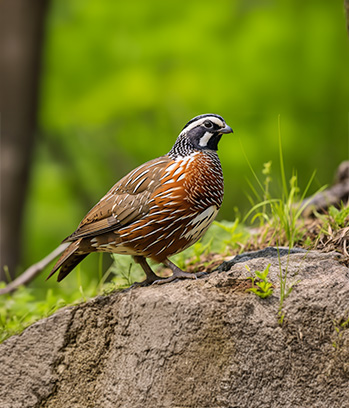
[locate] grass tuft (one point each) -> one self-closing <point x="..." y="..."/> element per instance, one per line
<point x="279" y="218"/>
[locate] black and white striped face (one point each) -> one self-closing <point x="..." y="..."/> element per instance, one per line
<point x="205" y="131"/>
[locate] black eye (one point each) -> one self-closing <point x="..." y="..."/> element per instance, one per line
<point x="208" y="124"/>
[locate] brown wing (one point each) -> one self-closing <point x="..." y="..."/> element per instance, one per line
<point x="126" y="202"/>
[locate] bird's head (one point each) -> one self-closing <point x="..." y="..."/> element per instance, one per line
<point x="201" y="133"/>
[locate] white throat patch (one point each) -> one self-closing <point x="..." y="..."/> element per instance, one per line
<point x="205" y="139"/>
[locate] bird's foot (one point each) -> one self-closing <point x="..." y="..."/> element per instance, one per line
<point x="177" y="274"/>
<point x="151" y="276"/>
<point x="147" y="282"/>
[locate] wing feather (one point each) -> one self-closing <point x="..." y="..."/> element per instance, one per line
<point x="126" y="202"/>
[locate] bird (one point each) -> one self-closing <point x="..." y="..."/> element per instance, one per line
<point x="160" y="208"/>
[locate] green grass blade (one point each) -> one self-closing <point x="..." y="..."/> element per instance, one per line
<point x="282" y="168"/>
<point x="251" y="168"/>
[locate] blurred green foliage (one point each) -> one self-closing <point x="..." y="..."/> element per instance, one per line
<point x="120" y="80"/>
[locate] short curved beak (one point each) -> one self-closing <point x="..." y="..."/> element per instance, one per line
<point x="226" y="129"/>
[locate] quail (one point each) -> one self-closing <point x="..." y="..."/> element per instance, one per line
<point x="160" y="208"/>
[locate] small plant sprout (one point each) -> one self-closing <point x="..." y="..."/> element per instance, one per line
<point x="340" y="326"/>
<point x="261" y="287"/>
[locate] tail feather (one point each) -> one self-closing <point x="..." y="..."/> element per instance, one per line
<point x="68" y="261"/>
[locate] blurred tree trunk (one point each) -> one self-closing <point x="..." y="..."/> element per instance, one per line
<point x="346" y="8"/>
<point x="21" y="33"/>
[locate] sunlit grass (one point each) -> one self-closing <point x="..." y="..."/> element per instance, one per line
<point x="282" y="215"/>
<point x="19" y="310"/>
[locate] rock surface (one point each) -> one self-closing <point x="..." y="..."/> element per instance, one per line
<point x="204" y="343"/>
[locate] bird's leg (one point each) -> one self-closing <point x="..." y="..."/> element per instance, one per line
<point x="151" y="276"/>
<point x="177" y="273"/>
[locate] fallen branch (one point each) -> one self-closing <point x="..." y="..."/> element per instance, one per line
<point x="28" y="275"/>
<point x="333" y="195"/>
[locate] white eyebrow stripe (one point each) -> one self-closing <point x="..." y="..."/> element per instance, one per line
<point x="216" y="120"/>
<point x="199" y="122"/>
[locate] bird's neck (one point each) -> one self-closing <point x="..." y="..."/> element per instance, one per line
<point x="181" y="148"/>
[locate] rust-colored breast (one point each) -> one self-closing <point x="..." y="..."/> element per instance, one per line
<point x="181" y="208"/>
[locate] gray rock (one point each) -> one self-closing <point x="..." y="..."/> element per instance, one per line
<point x="204" y="343"/>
